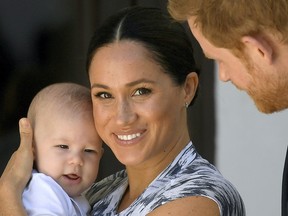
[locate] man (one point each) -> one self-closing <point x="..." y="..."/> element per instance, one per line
<point x="249" y="41"/>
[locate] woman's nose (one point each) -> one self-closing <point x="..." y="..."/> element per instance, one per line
<point x="125" y="113"/>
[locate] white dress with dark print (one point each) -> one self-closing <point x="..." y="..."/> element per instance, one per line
<point x="188" y="175"/>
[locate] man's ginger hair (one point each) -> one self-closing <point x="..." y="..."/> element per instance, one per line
<point x="225" y="22"/>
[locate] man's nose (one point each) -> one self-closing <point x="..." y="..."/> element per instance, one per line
<point x="223" y="74"/>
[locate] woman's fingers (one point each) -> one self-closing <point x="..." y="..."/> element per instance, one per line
<point x="26" y="135"/>
<point x="19" y="167"/>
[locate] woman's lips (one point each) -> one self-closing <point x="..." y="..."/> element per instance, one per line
<point x="128" y="137"/>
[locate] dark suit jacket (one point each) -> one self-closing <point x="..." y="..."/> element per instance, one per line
<point x="285" y="187"/>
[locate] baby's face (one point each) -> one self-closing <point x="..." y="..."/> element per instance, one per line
<point x="68" y="149"/>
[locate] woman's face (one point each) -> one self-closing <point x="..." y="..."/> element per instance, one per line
<point x="138" y="111"/>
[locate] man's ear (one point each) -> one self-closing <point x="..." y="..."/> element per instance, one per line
<point x="191" y="86"/>
<point x="258" y="48"/>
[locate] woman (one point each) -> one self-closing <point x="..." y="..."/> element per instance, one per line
<point x="142" y="81"/>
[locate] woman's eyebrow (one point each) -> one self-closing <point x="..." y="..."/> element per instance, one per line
<point x="136" y="82"/>
<point x="133" y="83"/>
<point x="98" y="85"/>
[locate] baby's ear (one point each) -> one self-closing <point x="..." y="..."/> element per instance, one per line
<point x="259" y="47"/>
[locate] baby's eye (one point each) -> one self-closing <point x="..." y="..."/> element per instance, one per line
<point x="103" y="95"/>
<point x="89" y="150"/>
<point x="142" y="91"/>
<point x="63" y="146"/>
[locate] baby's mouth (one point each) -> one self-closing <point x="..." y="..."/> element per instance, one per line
<point x="72" y="176"/>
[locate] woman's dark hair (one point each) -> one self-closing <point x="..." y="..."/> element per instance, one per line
<point x="167" y="40"/>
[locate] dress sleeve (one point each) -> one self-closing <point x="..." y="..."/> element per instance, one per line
<point x="44" y="196"/>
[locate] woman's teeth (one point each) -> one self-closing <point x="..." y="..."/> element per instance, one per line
<point x="128" y="137"/>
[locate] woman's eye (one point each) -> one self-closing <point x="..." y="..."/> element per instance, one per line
<point x="142" y="91"/>
<point x="103" y="95"/>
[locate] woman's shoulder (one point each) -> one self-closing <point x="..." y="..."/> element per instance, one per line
<point x="190" y="175"/>
<point x="205" y="182"/>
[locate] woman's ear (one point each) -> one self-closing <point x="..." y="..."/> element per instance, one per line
<point x="258" y="48"/>
<point x="190" y="86"/>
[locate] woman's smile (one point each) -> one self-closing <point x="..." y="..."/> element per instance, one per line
<point x="128" y="137"/>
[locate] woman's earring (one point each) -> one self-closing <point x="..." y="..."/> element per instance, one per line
<point x="186" y="105"/>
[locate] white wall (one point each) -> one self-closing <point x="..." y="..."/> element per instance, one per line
<point x="250" y="149"/>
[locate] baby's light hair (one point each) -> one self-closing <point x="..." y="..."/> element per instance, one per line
<point x="61" y="97"/>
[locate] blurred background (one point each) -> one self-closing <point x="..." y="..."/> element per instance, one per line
<point x="43" y="42"/>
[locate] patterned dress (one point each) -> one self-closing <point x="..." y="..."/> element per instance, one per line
<point x="188" y="175"/>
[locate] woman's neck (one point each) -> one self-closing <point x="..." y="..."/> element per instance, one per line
<point x="140" y="177"/>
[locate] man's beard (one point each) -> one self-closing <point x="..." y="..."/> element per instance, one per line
<point x="269" y="96"/>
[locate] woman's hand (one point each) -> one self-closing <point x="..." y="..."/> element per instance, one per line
<point x="17" y="173"/>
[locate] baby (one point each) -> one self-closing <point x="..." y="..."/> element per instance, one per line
<point x="67" y="151"/>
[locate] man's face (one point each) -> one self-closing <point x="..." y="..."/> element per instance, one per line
<point x="267" y="87"/>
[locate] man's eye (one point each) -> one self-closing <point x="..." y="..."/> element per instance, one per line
<point x="142" y="91"/>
